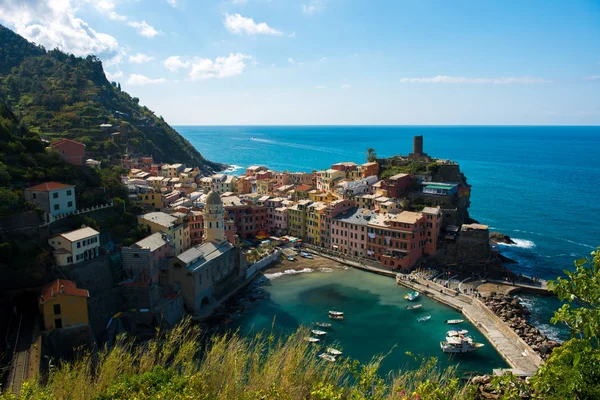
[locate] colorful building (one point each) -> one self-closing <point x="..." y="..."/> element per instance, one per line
<point x="326" y="180"/>
<point x="249" y="219"/>
<point x="152" y="199"/>
<point x="397" y="185"/>
<point x="144" y="260"/>
<point x="75" y="246"/>
<point x="172" y="226"/>
<point x="53" y="197"/>
<point x="349" y="231"/>
<point x="254" y="169"/>
<point x="69" y="150"/>
<point x="333" y="209"/>
<point x="63" y="305"/>
<point x="297" y="218"/>
<point x="368" y="169"/>
<point x="314" y="213"/>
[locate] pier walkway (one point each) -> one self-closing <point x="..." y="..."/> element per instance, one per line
<point x="518" y="354"/>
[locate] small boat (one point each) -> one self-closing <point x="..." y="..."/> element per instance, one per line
<point x="337" y="317"/>
<point x="412" y="296"/>
<point x="327" y="357"/>
<point x="454" y="321"/>
<point x="425" y="318"/>
<point x="334" y="352"/>
<point x="290" y="258"/>
<point x="306" y="255"/>
<point x="336" y="313"/>
<point x="312" y="340"/>
<point x="318" y="332"/>
<point x="460" y="344"/>
<point x="323" y="324"/>
<point x="414" y="307"/>
<point x="453" y="333"/>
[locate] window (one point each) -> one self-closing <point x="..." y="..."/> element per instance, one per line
<point x="57" y="309"/>
<point x="78" y="245"/>
<point x="58" y="323"/>
<point x="69" y="259"/>
<point x="33" y="196"/>
<point x="55" y="195"/>
<point x="70" y="204"/>
<point x="56" y="207"/>
<point x="69" y="192"/>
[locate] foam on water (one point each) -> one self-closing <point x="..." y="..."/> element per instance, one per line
<point x="276" y="275"/>
<point x="522" y="243"/>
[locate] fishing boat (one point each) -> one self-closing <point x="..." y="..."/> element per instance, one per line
<point x="460" y="344"/>
<point x="425" y="318"/>
<point x="318" y="332"/>
<point x="454" y="321"/>
<point x="336" y="313"/>
<point x="306" y="255"/>
<point x="453" y="333"/>
<point x="334" y="352"/>
<point x="337" y="317"/>
<point x="327" y="357"/>
<point x="414" y="307"/>
<point x="312" y="340"/>
<point x="323" y="324"/>
<point x="412" y="296"/>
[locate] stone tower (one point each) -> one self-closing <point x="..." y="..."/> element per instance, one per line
<point x="418" y="145"/>
<point x="214" y="218"/>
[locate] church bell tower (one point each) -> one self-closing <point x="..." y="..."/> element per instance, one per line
<point x="214" y="218"/>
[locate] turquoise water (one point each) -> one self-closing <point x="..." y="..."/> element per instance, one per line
<point x="540" y="185"/>
<point x="376" y="320"/>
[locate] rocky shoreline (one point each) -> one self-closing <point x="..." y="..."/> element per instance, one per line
<point x="511" y="311"/>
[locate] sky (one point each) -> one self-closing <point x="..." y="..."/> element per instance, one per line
<point x="321" y="62"/>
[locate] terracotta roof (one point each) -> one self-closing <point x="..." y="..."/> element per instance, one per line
<point x="61" y="141"/>
<point x="50" y="186"/>
<point x="303" y="188"/>
<point x="50" y="291"/>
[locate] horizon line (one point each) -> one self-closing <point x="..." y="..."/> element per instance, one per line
<point x="390" y="125"/>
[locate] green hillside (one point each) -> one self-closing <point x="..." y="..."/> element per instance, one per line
<point x="58" y="95"/>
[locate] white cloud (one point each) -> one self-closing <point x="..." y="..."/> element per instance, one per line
<point x="221" y="67"/>
<point x="113" y="77"/>
<point x="137" y="79"/>
<point x="323" y="59"/>
<point x="144" y="28"/>
<point x="291" y="61"/>
<point x="460" y="79"/>
<point x="345" y="86"/>
<point x="53" y="24"/>
<point x="313" y="7"/>
<point x="240" y="2"/>
<point x="239" y="25"/>
<point x="140" y="58"/>
<point x="174" y="63"/>
<point x="117" y="59"/>
<point x="591" y="78"/>
<point x="107" y="7"/>
<point x="172" y="3"/>
<point x="320" y="87"/>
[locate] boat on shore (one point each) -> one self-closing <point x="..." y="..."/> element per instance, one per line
<point x="425" y="318"/>
<point x="334" y="352"/>
<point x="312" y="340"/>
<point x="318" y="332"/>
<point x="323" y="324"/>
<point x="454" y="321"/>
<point x="414" y="307"/>
<point x="412" y="296"/>
<point x="306" y="255"/>
<point x="460" y="344"/>
<point x="453" y="333"/>
<point x="327" y="357"/>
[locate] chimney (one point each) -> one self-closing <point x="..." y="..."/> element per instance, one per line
<point x="62" y="288"/>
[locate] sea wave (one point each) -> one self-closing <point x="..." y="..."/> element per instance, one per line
<point x="521" y="243"/>
<point x="556" y="238"/>
<point x="276" y="275"/>
<point x="301" y="146"/>
<point x="325" y="270"/>
<point x="233" y="168"/>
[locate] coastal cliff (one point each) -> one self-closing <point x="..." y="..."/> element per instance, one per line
<point x="57" y="95"/>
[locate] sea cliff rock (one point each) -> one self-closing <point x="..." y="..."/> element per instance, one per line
<point x="497" y="238"/>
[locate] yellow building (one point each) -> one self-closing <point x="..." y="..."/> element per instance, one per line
<point x="316" y="195"/>
<point x="173" y="226"/>
<point x="63" y="305"/>
<point x="152" y="199"/>
<point x="313" y="222"/>
<point x="297" y="218"/>
<point x="326" y="180"/>
<point x="156" y="182"/>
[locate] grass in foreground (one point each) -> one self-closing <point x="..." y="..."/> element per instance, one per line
<point x="235" y="367"/>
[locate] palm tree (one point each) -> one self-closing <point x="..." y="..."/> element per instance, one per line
<point x="371" y="155"/>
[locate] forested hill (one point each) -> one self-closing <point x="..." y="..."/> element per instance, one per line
<point x="58" y="95"/>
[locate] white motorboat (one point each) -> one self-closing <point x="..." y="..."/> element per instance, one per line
<point x="453" y="333"/>
<point x="414" y="307"/>
<point x="334" y="352"/>
<point x="459" y="344"/>
<point x="323" y="324"/>
<point x="318" y="332"/>
<point x="412" y="296"/>
<point x="312" y="340"/>
<point x="336" y="313"/>
<point x="327" y="357"/>
<point x="454" y="321"/>
<point x="425" y="318"/>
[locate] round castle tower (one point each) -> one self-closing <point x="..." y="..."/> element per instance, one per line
<point x="214" y="218"/>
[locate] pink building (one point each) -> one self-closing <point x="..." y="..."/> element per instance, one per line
<point x="283" y="178"/>
<point x="349" y="231"/>
<point x="71" y="151"/>
<point x="196" y="226"/>
<point x="434" y="225"/>
<point x="333" y="209"/>
<point x="144" y="260"/>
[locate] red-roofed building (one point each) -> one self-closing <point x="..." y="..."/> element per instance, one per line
<point x="53" y="197"/>
<point x="63" y="305"/>
<point x="301" y="192"/>
<point x="71" y="151"/>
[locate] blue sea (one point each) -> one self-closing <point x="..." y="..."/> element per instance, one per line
<point x="538" y="184"/>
